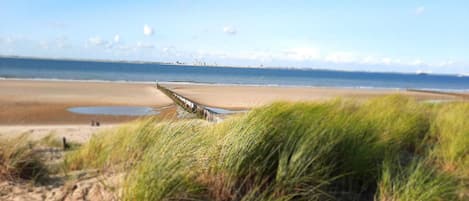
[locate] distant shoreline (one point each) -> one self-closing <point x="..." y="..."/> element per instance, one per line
<point x="223" y="66"/>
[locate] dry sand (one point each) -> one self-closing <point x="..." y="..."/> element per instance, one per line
<point x="28" y="102"/>
<point x="75" y="133"/>
<point x="245" y="97"/>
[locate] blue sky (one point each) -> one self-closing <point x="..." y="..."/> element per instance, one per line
<point x="400" y="35"/>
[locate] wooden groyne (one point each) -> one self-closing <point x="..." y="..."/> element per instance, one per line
<point x="191" y="106"/>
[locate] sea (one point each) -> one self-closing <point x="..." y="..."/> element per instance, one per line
<point x="53" y="69"/>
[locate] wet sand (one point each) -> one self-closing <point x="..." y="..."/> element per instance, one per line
<point x="245" y="97"/>
<point x="29" y="102"/>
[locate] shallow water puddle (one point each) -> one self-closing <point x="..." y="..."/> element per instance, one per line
<point x="224" y="111"/>
<point x="114" y="110"/>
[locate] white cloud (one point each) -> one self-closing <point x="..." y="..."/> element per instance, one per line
<point x="386" y="61"/>
<point x="44" y="45"/>
<point x="57" y="25"/>
<point x="7" y="40"/>
<point x="170" y="50"/>
<point x="419" y="10"/>
<point x="117" y="38"/>
<point x="302" y="53"/>
<point x="416" y="62"/>
<point x="124" y="47"/>
<point x="310" y="57"/>
<point x="370" y="60"/>
<point x="240" y="55"/>
<point x="97" y="41"/>
<point x="341" y="57"/>
<point x="144" y="45"/>
<point x="446" y="63"/>
<point x="230" y="30"/>
<point x="147" y="30"/>
<point x="60" y="42"/>
<point x="261" y="56"/>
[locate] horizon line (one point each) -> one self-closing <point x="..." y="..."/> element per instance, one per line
<point x="418" y="72"/>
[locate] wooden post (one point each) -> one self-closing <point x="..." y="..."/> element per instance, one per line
<point x="64" y="141"/>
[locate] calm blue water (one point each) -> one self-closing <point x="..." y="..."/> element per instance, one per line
<point x="114" y="110"/>
<point x="88" y="70"/>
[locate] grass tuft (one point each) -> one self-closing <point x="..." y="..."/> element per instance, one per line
<point x="416" y="182"/>
<point x="18" y="160"/>
<point x="450" y="128"/>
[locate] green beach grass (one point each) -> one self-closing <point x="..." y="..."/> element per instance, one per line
<point x="19" y="160"/>
<point x="387" y="149"/>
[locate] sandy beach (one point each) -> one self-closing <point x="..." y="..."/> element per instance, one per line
<point x="28" y="102"/>
<point x="40" y="107"/>
<point x="31" y="102"/>
<point x="246" y="97"/>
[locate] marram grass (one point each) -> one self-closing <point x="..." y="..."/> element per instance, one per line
<point x="415" y="182"/>
<point x="388" y="149"/>
<point x="450" y="128"/>
<point x="19" y="160"/>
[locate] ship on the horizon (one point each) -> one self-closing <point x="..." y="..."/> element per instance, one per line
<point x="421" y="72"/>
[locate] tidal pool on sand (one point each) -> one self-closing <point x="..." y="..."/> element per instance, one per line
<point x="224" y="111"/>
<point x="114" y="110"/>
